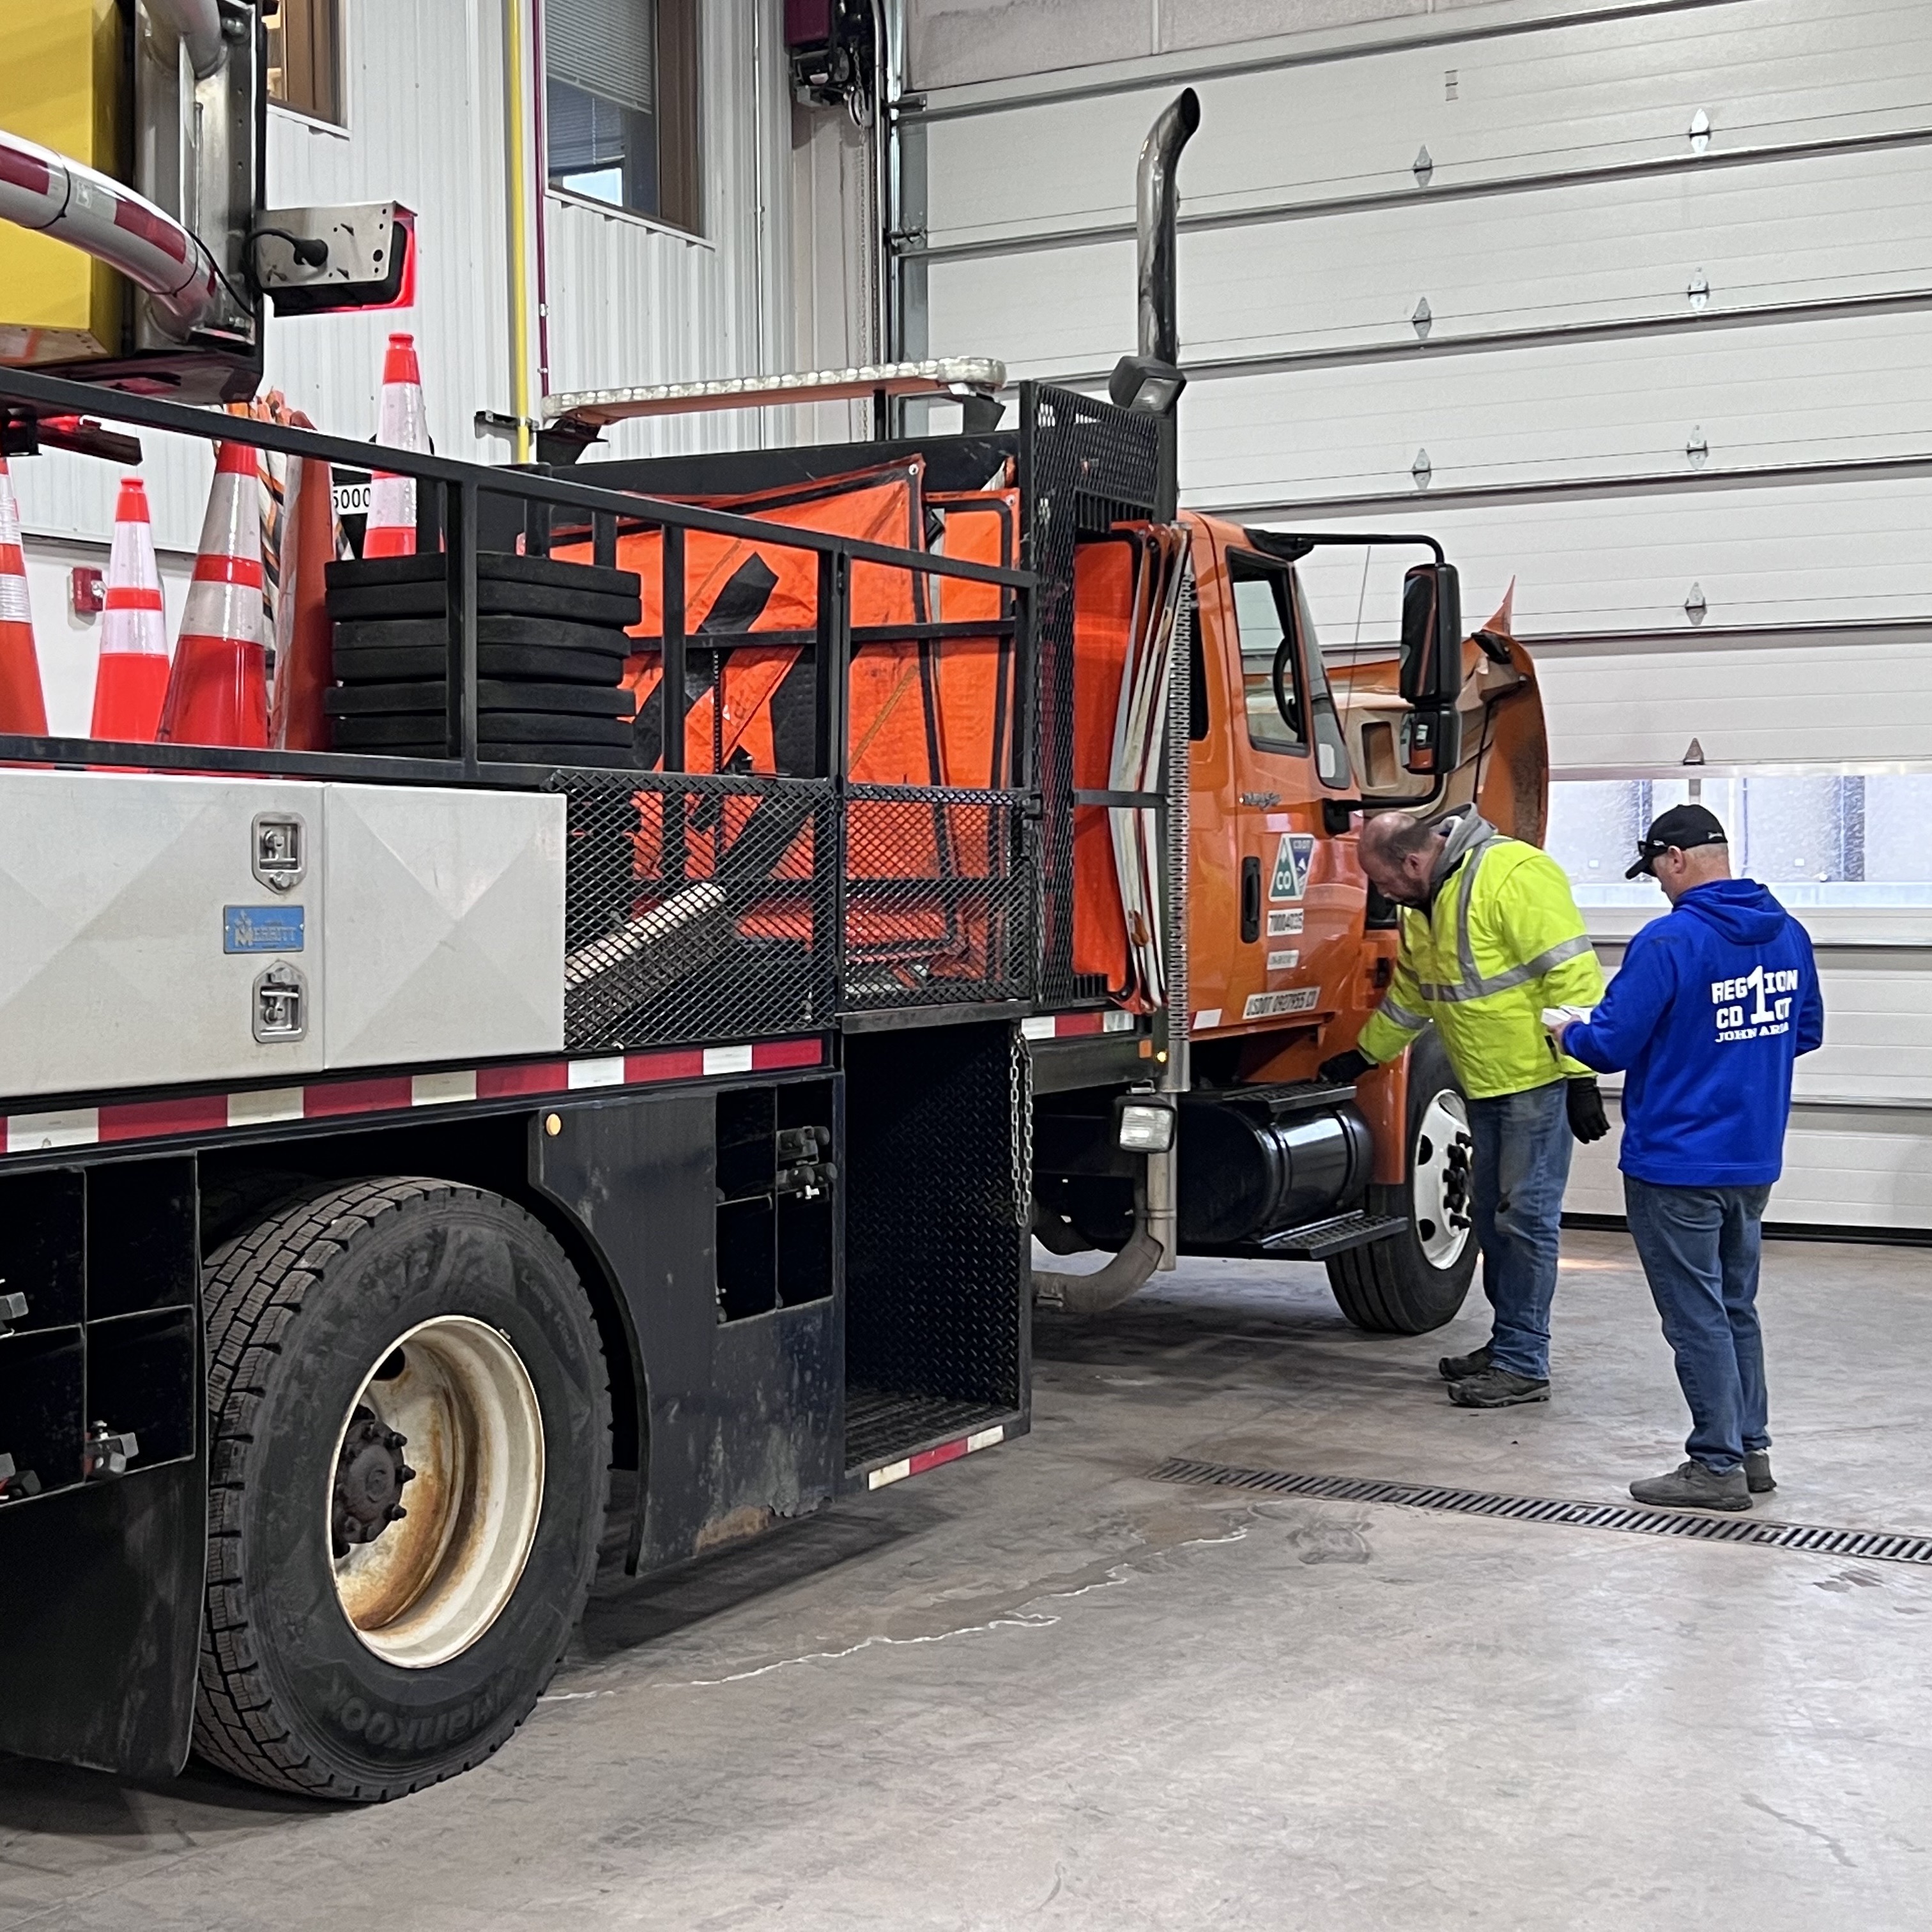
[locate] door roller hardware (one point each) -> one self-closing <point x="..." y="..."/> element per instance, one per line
<point x="280" y="1005"/>
<point x="281" y="849"/>
<point x="107" y="1452"/>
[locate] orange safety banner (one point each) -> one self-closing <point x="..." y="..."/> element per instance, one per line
<point x="1105" y="581"/>
<point x="973" y="677"/>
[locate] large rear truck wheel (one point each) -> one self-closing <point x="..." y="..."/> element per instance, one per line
<point x="1416" y="1280"/>
<point x="409" y="1451"/>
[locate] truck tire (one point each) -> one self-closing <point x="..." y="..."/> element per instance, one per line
<point x="1416" y="1280"/>
<point x="371" y="1629"/>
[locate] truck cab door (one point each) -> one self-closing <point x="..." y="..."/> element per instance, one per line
<point x="1302" y="896"/>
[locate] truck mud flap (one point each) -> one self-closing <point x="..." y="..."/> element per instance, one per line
<point x="100" y="1593"/>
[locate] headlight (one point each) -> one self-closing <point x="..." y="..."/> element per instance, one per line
<point x="1146" y="1129"/>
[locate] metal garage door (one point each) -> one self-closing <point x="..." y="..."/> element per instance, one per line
<point x="1626" y="302"/>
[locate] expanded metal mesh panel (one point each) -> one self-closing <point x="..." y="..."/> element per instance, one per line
<point x="696" y="908"/>
<point x="934" y="1214"/>
<point x="1084" y="466"/>
<point x="937" y="899"/>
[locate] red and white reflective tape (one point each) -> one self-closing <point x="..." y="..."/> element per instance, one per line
<point x="56" y="195"/>
<point x="931" y="1459"/>
<point x="190" y="1115"/>
<point x="1076" y="1026"/>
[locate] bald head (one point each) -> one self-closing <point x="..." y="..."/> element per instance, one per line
<point x="1399" y="853"/>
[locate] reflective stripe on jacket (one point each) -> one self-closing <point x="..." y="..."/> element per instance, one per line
<point x="1502" y="939"/>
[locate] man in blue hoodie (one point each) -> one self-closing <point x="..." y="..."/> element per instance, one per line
<point x="1714" y="1002"/>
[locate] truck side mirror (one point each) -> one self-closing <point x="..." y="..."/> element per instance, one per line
<point x="1431" y="635"/>
<point x="1432" y="666"/>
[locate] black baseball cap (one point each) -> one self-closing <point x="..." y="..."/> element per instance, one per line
<point x="1684" y="826"/>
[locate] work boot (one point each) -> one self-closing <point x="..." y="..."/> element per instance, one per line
<point x="1695" y="1485"/>
<point x="1758" y="1478"/>
<point x="1460" y="1368"/>
<point x="1497" y="1388"/>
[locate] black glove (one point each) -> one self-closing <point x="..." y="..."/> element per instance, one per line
<point x="1584" y="1100"/>
<point x="1346" y="1067"/>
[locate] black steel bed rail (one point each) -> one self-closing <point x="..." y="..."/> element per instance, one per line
<point x="452" y="513"/>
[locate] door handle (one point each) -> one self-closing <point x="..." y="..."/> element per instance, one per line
<point x="1251" y="900"/>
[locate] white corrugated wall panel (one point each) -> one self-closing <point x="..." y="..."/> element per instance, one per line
<point x="632" y="301"/>
<point x="426" y="114"/>
<point x="67" y="646"/>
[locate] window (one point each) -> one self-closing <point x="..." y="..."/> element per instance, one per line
<point x="1279" y="722"/>
<point x="1829" y="841"/>
<point x="305" y="56"/>
<point x="620" y="104"/>
<point x="1261" y="616"/>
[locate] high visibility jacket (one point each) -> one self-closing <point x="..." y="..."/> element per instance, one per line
<point x="1502" y="939"/>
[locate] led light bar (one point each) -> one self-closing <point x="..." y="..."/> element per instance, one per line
<point x="954" y="376"/>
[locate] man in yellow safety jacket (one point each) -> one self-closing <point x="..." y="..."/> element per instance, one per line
<point x="1490" y="937"/>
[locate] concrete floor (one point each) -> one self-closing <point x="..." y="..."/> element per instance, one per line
<point x="1037" y="1688"/>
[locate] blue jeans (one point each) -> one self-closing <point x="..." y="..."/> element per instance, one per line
<point x="1522" y="1164"/>
<point x="1699" y="1249"/>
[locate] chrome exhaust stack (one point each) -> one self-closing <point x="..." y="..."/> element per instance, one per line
<point x="1151" y="380"/>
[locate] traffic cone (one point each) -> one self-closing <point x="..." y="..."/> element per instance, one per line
<point x="218" y="690"/>
<point x="133" y="677"/>
<point x="304" y="666"/>
<point x="22" y="706"/>
<point x="402" y="423"/>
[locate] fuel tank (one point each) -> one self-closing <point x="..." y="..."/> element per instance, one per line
<point x="1256" y="1159"/>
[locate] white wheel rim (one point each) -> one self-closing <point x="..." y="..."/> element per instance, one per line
<point x="1441" y="1156"/>
<point x="433" y="1580"/>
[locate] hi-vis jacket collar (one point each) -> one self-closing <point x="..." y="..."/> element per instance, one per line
<point x="1462" y="832"/>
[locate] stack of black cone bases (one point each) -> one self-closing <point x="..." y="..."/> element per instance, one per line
<point x="550" y="658"/>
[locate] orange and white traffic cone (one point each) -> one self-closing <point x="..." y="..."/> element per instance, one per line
<point x="218" y="690"/>
<point x="133" y="677"/>
<point x="22" y="706"/>
<point x="402" y="423"/>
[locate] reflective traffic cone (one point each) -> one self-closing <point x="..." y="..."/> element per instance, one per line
<point x="218" y="691"/>
<point x="304" y="656"/>
<point x="133" y="677"/>
<point x="22" y="706"/>
<point x="402" y="424"/>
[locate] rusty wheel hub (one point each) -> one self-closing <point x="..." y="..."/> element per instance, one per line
<point x="369" y="1475"/>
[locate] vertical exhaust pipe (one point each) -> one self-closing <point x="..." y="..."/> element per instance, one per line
<point x="1156" y="209"/>
<point x="1151" y="380"/>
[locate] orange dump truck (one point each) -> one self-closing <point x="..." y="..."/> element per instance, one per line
<point x="1204" y="936"/>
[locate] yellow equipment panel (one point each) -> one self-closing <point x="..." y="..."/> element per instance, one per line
<point x="61" y="64"/>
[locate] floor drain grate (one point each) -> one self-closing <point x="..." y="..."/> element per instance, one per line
<point x="1870" y="1546"/>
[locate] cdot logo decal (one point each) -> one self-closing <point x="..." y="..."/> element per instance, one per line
<point x="1756" y="1006"/>
<point x="1291" y="858"/>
